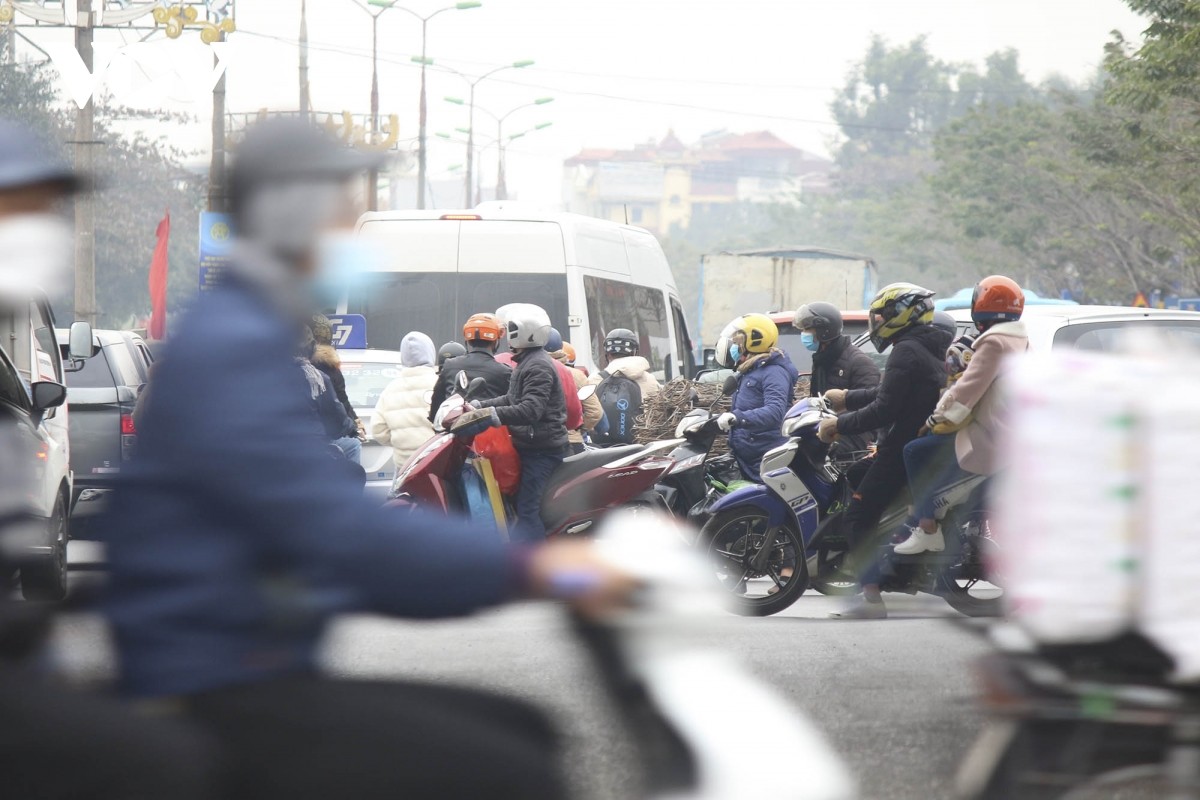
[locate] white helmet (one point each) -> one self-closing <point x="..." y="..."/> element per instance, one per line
<point x="528" y="325"/>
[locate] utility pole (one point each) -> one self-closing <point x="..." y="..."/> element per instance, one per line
<point x="421" y="156"/>
<point x="470" y="149"/>
<point x="501" y="186"/>
<point x="304" y="100"/>
<point x="85" y="164"/>
<point x="373" y="175"/>
<point x="216" y="167"/>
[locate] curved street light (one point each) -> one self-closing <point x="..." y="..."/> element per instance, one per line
<point x="424" y="61"/>
<point x="501" y="186"/>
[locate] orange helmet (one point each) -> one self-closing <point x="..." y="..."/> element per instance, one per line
<point x="996" y="299"/>
<point x="569" y="349"/>
<point x="484" y="328"/>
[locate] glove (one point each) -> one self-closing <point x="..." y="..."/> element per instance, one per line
<point x="836" y="399"/>
<point x="827" y="431"/>
<point x="475" y="422"/>
<point x="727" y="421"/>
<point x="475" y="404"/>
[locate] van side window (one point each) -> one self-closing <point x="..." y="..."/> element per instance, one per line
<point x="685" y="359"/>
<point x="615" y="304"/>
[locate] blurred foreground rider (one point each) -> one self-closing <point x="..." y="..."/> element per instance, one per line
<point x="56" y="743"/>
<point x="232" y="544"/>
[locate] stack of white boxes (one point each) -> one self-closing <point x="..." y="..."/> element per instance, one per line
<point x="1098" y="515"/>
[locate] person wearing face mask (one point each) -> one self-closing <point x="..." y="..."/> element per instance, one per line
<point x="837" y="363"/>
<point x="56" y="742"/>
<point x="232" y="544"/>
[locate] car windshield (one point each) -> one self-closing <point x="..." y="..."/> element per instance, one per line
<point x="365" y="381"/>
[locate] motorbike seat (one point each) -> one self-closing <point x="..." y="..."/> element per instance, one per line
<point x="574" y="466"/>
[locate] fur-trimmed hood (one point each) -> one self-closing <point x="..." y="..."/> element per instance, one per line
<point x="325" y="356"/>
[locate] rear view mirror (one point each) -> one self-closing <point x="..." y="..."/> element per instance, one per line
<point x="730" y="385"/>
<point x="474" y="386"/>
<point x="462" y="381"/>
<point x="79" y="344"/>
<point x="47" y="395"/>
<point x="586" y="391"/>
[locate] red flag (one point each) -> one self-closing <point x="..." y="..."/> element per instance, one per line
<point x="158" y="279"/>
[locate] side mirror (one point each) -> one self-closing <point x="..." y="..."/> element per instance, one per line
<point x="730" y="385"/>
<point x="47" y="395"/>
<point x="710" y="358"/>
<point x="586" y="391"/>
<point x="474" y="386"/>
<point x="693" y="397"/>
<point x="462" y="381"/>
<point x="79" y="344"/>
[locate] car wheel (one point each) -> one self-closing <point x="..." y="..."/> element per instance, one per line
<point x="46" y="580"/>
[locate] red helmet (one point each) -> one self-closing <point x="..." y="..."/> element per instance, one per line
<point x="484" y="328"/>
<point x="997" y="299"/>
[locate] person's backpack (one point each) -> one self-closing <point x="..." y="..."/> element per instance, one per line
<point x="621" y="400"/>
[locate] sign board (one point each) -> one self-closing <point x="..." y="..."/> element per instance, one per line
<point x="216" y="240"/>
<point x="349" y="331"/>
<point x="1140" y="301"/>
<point x="1189" y="304"/>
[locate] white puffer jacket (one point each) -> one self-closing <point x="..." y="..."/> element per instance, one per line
<point x="401" y="417"/>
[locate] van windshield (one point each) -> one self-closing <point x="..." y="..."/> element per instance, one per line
<point x="438" y="303"/>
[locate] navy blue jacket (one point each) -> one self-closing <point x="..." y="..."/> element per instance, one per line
<point x="762" y="398"/>
<point x="233" y="537"/>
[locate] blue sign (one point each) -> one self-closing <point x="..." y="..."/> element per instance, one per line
<point x="216" y="240"/>
<point x="1189" y="304"/>
<point x="349" y="331"/>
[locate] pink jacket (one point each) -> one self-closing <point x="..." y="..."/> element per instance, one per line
<point x="972" y="404"/>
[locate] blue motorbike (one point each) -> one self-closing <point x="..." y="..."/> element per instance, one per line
<point x="759" y="535"/>
<point x="770" y="542"/>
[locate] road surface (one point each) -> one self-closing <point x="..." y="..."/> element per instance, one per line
<point x="895" y="697"/>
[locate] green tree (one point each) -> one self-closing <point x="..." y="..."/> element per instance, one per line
<point x="138" y="180"/>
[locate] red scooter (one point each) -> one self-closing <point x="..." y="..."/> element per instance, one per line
<point x="442" y="475"/>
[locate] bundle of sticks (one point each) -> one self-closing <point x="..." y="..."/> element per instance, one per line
<point x="662" y="412"/>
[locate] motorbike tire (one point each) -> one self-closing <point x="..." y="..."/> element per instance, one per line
<point x="826" y="573"/>
<point x="958" y="595"/>
<point x="721" y="530"/>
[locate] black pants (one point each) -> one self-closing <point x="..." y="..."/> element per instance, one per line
<point x="305" y="737"/>
<point x="60" y="744"/>
<point x="884" y="480"/>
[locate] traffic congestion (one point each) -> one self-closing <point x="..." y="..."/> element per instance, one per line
<point x="614" y="497"/>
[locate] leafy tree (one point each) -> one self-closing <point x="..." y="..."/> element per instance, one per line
<point x="138" y="178"/>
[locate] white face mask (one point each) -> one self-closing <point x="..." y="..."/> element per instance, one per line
<point x="37" y="253"/>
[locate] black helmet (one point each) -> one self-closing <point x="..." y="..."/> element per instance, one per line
<point x="621" y="342"/>
<point x="449" y="350"/>
<point x="943" y="320"/>
<point x="824" y="318"/>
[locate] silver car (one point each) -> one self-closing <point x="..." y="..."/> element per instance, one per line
<point x="367" y="374"/>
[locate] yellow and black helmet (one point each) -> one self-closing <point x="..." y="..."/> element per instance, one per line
<point x="896" y="308"/>
<point x="748" y="334"/>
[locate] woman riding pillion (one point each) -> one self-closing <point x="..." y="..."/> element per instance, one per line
<point x="766" y="378"/>
<point x="965" y="428"/>
<point x="900" y="317"/>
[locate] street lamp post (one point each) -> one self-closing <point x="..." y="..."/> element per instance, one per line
<point x="499" y="141"/>
<point x="424" y="61"/>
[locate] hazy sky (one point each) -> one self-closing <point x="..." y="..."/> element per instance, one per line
<point x="623" y="71"/>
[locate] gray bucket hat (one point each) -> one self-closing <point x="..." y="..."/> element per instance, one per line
<point x="26" y="161"/>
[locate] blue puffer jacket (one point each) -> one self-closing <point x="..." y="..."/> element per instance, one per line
<point x="233" y="538"/>
<point x="763" y="396"/>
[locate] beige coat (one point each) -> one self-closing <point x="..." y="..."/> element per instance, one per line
<point x="635" y="368"/>
<point x="592" y="411"/>
<point x="401" y="417"/>
<point x="973" y="404"/>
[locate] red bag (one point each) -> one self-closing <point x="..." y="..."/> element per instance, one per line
<point x="495" y="444"/>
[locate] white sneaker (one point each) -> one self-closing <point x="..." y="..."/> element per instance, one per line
<point x="919" y="541"/>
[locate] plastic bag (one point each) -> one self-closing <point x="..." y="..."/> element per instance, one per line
<point x="495" y="444"/>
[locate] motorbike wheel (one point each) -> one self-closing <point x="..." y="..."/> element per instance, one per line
<point x="966" y="586"/>
<point x="827" y="567"/>
<point x="733" y="538"/>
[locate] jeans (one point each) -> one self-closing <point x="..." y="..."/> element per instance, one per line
<point x="932" y="466"/>
<point x="351" y="446"/>
<point x="536" y="468"/>
<point x="306" y="737"/>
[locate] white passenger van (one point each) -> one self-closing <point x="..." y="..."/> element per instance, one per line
<point x="590" y="275"/>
